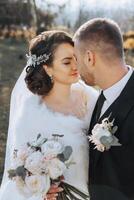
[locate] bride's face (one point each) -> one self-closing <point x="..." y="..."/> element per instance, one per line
<point x="64" y="69"/>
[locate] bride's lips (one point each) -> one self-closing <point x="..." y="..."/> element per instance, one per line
<point x="75" y="74"/>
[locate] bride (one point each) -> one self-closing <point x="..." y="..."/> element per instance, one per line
<point x="52" y="99"/>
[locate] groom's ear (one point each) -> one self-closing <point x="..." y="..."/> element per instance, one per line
<point x="89" y="58"/>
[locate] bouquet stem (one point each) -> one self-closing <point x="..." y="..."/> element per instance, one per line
<point x="71" y="193"/>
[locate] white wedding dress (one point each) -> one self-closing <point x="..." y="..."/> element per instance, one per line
<point x="28" y="117"/>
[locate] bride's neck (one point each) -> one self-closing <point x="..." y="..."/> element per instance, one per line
<point x="59" y="93"/>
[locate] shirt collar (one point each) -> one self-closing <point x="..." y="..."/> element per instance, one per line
<point x="115" y="90"/>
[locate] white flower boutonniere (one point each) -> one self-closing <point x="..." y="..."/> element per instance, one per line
<point x="103" y="135"/>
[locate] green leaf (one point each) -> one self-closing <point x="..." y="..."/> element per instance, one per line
<point x="38" y="136"/>
<point x="57" y="135"/>
<point x="114" y="129"/>
<point x="106" y="140"/>
<point x="28" y="144"/>
<point x="115" y="142"/>
<point x="11" y="173"/>
<point x="65" y="154"/>
<point x="61" y="157"/>
<point x="21" y="171"/>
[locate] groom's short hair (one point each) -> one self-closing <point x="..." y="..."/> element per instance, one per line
<point x="103" y="35"/>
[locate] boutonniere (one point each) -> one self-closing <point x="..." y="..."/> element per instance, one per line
<point x="103" y="135"/>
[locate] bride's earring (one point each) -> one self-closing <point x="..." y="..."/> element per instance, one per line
<point x="51" y="77"/>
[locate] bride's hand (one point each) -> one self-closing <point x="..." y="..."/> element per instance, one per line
<point x="53" y="192"/>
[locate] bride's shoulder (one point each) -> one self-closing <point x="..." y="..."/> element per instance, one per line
<point x="85" y="90"/>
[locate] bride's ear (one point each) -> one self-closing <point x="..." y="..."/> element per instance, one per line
<point x="48" y="70"/>
<point x="89" y="58"/>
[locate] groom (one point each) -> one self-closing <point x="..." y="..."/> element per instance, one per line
<point x="100" y="58"/>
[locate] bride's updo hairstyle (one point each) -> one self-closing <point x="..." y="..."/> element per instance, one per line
<point x="41" y="52"/>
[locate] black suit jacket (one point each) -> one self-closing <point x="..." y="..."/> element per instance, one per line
<point x="111" y="173"/>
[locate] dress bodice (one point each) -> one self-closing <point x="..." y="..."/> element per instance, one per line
<point x="35" y="117"/>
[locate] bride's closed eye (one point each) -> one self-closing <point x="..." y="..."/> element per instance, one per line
<point x="67" y="63"/>
<point x="67" y="60"/>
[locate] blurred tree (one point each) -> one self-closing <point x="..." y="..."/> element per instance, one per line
<point x="25" y="13"/>
<point x="12" y="12"/>
<point x="45" y="20"/>
<point x="33" y="12"/>
<point x="86" y="13"/>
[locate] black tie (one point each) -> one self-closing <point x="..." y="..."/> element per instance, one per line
<point x="99" y="105"/>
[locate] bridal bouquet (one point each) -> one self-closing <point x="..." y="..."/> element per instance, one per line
<point x="39" y="164"/>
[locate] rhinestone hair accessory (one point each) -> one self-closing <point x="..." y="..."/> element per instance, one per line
<point x="34" y="60"/>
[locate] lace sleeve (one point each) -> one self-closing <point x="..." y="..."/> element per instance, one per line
<point x="90" y="96"/>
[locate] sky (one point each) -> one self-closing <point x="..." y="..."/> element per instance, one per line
<point x="72" y="8"/>
<point x="94" y="4"/>
<point x="113" y="3"/>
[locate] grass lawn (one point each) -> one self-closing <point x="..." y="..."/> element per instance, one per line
<point x="12" y="61"/>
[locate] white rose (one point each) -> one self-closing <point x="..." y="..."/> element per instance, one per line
<point x="52" y="147"/>
<point x="34" y="163"/>
<point x="38" y="184"/>
<point x="24" y="152"/>
<point x="22" y="188"/>
<point x="98" y="131"/>
<point x="102" y="137"/>
<point x="55" y="168"/>
<point x="21" y="156"/>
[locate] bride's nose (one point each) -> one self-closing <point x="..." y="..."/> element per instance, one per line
<point x="74" y="68"/>
<point x="74" y="65"/>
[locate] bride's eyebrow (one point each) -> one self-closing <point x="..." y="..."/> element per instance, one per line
<point x="67" y="58"/>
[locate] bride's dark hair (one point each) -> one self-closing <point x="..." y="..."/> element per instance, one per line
<point x="37" y="80"/>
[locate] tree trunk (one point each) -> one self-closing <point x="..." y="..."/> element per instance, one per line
<point x="32" y="10"/>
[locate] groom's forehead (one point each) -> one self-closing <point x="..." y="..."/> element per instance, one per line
<point x="77" y="45"/>
<point x="77" y="42"/>
<point x="80" y="47"/>
<point x="76" y="50"/>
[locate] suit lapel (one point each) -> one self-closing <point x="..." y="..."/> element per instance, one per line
<point x="119" y="109"/>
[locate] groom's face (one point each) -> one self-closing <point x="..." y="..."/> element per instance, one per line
<point x="84" y="70"/>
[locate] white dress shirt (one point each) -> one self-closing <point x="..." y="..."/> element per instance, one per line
<point x="115" y="90"/>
